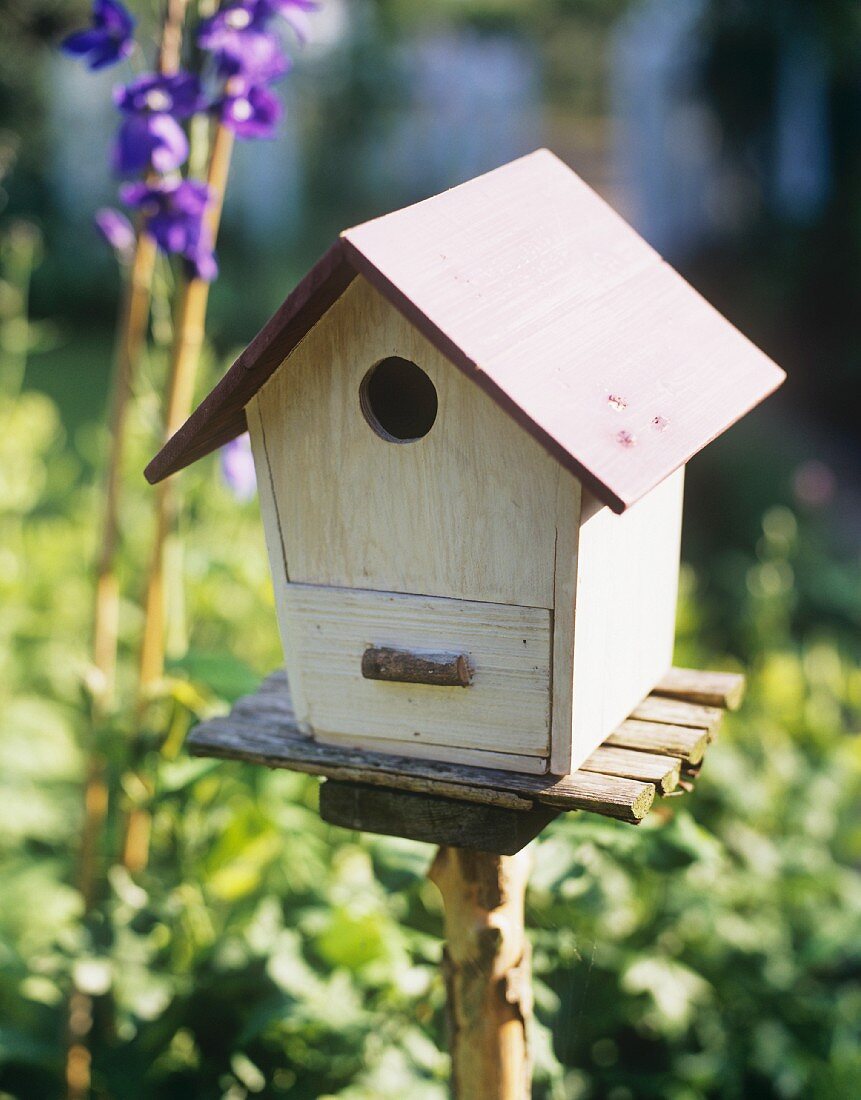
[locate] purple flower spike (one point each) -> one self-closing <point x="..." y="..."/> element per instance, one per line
<point x="249" y="110"/>
<point x="118" y="231"/>
<point x="240" y="17"/>
<point x="174" y="211"/>
<point x="150" y="135"/>
<point x="202" y="264"/>
<point x="108" y="41"/>
<point x="248" y="52"/>
<point x="178" y="95"/>
<point x="156" y="141"/>
<point x="237" y="468"/>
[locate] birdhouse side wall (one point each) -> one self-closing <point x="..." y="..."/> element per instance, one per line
<point x="625" y="610"/>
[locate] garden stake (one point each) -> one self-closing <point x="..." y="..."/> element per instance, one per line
<point x="134" y="317"/>
<point x="188" y="339"/>
<point x="132" y="329"/>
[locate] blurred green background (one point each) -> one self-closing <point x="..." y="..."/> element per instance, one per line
<point x="715" y="951"/>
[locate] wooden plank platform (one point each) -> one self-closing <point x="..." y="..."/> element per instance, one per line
<point x="658" y="752"/>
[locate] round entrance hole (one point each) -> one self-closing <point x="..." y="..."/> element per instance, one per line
<point x="398" y="400"/>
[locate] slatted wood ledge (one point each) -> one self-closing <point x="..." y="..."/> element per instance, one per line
<point x="657" y="751"/>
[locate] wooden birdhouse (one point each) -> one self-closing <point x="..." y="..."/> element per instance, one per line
<point x="470" y="423"/>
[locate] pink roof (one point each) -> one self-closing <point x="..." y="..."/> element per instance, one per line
<point x="540" y="292"/>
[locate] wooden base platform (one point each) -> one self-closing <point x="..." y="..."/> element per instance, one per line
<point x="658" y="750"/>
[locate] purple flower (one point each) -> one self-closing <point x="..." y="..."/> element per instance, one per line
<point x="145" y="141"/>
<point x="109" y="39"/>
<point x="174" y="210"/>
<point x="178" y="95"/>
<point x="237" y="468"/>
<point x="249" y="110"/>
<point x="238" y="17"/>
<point x="246" y="50"/>
<point x="118" y="231"/>
<point x="150" y="135"/>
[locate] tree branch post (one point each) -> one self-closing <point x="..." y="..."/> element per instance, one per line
<point x="487" y="970"/>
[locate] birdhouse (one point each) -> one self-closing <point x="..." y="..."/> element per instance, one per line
<point x="470" y="423"/>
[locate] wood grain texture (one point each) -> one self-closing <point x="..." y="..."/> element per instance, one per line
<point x="531" y="284"/>
<point x="681" y="741"/>
<point x="262" y="728"/>
<point x="505" y="710"/>
<point x="487" y="970"/>
<point x="625" y="610"/>
<point x="452" y="754"/>
<point x="474" y="510"/>
<point x="431" y="819"/>
<point x="678" y="712"/>
<point x="661" y="770"/>
<point x="565" y="568"/>
<point x="275" y="551"/>
<point x="710" y="689"/>
<point x="468" y="511"/>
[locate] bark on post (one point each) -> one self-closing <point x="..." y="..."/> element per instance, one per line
<point x="487" y="969"/>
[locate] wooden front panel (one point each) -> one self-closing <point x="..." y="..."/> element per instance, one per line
<point x="469" y="511"/>
<point x="505" y="710"/>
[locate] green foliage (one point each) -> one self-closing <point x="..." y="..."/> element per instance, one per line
<point x="714" y="952"/>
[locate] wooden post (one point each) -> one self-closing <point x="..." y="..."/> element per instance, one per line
<point x="487" y="969"/>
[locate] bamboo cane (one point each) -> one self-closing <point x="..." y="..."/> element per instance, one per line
<point x="132" y="327"/>
<point x="132" y="330"/>
<point x="188" y="339"/>
<point x="486" y="964"/>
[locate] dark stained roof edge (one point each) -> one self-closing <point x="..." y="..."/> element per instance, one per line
<point x="220" y="417"/>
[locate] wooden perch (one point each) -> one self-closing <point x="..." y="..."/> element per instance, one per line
<point x="403" y="666"/>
